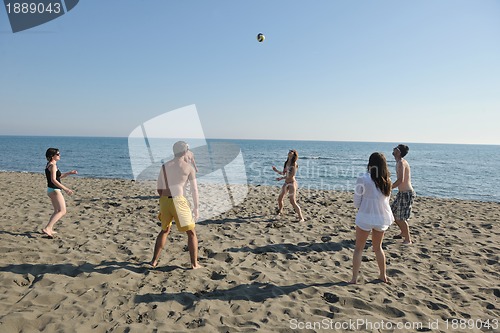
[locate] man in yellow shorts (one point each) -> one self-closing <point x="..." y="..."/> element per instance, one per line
<point x="173" y="177"/>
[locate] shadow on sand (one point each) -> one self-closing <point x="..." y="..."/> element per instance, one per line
<point x="253" y="292"/>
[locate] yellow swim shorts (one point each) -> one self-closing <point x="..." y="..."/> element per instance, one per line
<point x="177" y="208"/>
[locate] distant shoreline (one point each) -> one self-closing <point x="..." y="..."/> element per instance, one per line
<point x="273" y="187"/>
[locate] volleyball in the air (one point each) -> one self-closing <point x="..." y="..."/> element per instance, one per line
<point x="261" y="37"/>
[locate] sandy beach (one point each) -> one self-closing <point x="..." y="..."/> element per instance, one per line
<point x="260" y="273"/>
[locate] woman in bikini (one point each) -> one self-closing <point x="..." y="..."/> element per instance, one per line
<point x="54" y="188"/>
<point x="289" y="170"/>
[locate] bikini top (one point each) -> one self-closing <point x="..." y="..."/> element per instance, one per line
<point x="289" y="169"/>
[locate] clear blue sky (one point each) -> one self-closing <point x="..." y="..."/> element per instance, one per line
<point x="398" y="71"/>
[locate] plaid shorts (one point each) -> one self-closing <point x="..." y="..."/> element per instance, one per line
<point x="401" y="206"/>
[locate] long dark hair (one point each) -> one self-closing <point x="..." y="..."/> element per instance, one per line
<point x="377" y="167"/>
<point x="294" y="159"/>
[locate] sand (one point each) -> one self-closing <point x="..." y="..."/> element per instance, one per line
<point x="261" y="273"/>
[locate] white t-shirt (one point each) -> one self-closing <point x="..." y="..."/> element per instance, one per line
<point x="374" y="211"/>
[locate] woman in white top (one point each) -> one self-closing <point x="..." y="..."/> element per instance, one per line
<point x="371" y="197"/>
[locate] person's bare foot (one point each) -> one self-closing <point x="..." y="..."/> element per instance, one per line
<point x="197" y="266"/>
<point x="407" y="242"/>
<point x="48" y="233"/>
<point x="301" y="220"/>
<point x="384" y="279"/>
<point x="153" y="263"/>
<point x="353" y="281"/>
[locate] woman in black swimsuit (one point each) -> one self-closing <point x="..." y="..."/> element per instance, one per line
<point x="289" y="170"/>
<point x="54" y="188"/>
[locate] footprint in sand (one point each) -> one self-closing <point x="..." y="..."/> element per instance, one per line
<point x="226" y="257"/>
<point x="330" y="298"/>
<point x="218" y="275"/>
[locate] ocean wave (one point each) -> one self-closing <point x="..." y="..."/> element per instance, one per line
<point x="315" y="158"/>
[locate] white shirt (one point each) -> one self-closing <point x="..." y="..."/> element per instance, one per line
<point x="374" y="209"/>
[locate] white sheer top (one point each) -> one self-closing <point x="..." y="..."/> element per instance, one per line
<point x="374" y="209"/>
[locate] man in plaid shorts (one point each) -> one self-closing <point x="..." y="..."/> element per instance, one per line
<point x="401" y="206"/>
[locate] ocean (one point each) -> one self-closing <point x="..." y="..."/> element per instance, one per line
<point x="438" y="170"/>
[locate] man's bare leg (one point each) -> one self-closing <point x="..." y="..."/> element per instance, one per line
<point x="161" y="241"/>
<point x="193" y="248"/>
<point x="405" y="231"/>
